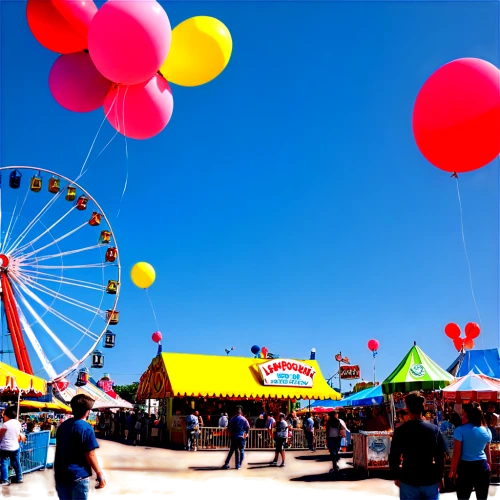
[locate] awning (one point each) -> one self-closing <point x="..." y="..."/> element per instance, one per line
<point x="56" y="407"/>
<point x="416" y="372"/>
<point x="13" y="381"/>
<point x="473" y="387"/>
<point x="479" y="361"/>
<point x="102" y="400"/>
<point x="198" y="375"/>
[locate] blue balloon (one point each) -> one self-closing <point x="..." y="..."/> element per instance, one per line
<point x="255" y="349"/>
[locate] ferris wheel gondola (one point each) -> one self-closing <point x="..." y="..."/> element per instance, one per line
<point x="59" y="272"/>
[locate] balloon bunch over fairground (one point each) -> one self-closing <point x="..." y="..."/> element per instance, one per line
<point x="472" y="331"/>
<point x="123" y="56"/>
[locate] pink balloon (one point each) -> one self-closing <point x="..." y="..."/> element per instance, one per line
<point x="129" y="40"/>
<point x="76" y="84"/>
<point x="156" y="337"/>
<point x="140" y="111"/>
<point x="373" y="345"/>
<point x="78" y="13"/>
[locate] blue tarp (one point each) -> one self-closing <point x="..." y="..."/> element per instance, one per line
<point x="478" y="361"/>
<point x="368" y="397"/>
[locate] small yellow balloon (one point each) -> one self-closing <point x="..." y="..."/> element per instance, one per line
<point x="200" y="50"/>
<point x="143" y="275"/>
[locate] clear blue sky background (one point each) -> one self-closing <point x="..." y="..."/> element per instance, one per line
<point x="286" y="203"/>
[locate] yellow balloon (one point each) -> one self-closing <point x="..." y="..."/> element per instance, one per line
<point x="200" y="50"/>
<point x="143" y="274"/>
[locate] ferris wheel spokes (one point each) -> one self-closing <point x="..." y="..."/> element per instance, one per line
<point x="57" y="278"/>
<point x="35" y="260"/>
<point x="11" y="227"/>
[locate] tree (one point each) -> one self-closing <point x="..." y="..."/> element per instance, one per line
<point x="127" y="392"/>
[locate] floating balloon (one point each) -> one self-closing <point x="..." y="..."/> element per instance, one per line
<point x="452" y="330"/>
<point x="129" y="40"/>
<point x="76" y="84"/>
<point x="52" y="29"/>
<point x="373" y="345"/>
<point x="472" y="330"/>
<point x="201" y="48"/>
<point x="264" y="352"/>
<point x="469" y="344"/>
<point x="255" y="349"/>
<point x="79" y="14"/>
<point x="156" y="337"/>
<point x="143" y="275"/>
<point x="140" y="111"/>
<point x="458" y="343"/>
<point x="456" y="117"/>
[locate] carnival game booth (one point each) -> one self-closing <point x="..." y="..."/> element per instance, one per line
<point x="216" y="384"/>
<point x="14" y="386"/>
<point x="416" y="372"/>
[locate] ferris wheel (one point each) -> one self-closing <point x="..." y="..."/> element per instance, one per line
<point x="59" y="273"/>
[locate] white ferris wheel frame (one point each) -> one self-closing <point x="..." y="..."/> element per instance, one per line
<point x="73" y="183"/>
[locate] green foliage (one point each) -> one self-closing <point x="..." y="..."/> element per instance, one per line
<point x="127" y="392"/>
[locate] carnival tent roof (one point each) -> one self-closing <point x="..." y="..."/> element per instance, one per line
<point x="197" y="375"/>
<point x="41" y="406"/>
<point x="368" y="397"/>
<point x="416" y="372"/>
<point x="102" y="400"/>
<point x="480" y="361"/>
<point x="473" y="387"/>
<point x="14" y="381"/>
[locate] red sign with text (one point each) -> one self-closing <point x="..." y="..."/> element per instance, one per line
<point x="350" y="372"/>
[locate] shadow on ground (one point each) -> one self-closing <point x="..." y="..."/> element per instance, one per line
<point x="347" y="474"/>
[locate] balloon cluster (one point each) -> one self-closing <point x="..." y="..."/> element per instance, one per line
<point x="122" y="55"/>
<point x="472" y="331"/>
<point x="456" y="116"/>
<point x="259" y="352"/>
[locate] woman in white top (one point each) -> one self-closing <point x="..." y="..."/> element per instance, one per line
<point x="335" y="431"/>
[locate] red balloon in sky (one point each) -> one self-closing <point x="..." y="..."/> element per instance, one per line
<point x="373" y="345"/>
<point x="456" y="117"/>
<point x="469" y="344"/>
<point x="472" y="330"/>
<point x="452" y="330"/>
<point x="156" y="337"/>
<point x="458" y="343"/>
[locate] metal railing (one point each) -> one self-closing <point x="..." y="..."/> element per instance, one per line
<point x="33" y="453"/>
<point x="215" y="438"/>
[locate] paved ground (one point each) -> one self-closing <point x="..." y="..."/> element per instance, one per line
<point x="150" y="473"/>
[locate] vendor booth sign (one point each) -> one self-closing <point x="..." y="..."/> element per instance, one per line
<point x="350" y="372"/>
<point x="378" y="450"/>
<point x="287" y="372"/>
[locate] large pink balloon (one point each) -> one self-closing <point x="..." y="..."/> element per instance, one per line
<point x="76" y="84"/>
<point x="129" y="40"/>
<point x="140" y="111"/>
<point x="373" y="345"/>
<point x="78" y="13"/>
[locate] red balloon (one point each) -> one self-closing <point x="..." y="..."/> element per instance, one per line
<point x="373" y="345"/>
<point x="79" y="14"/>
<point x="456" y="117"/>
<point x="469" y="344"/>
<point x="156" y="337"/>
<point x="52" y="29"/>
<point x="458" y="343"/>
<point x="452" y="330"/>
<point x="472" y="330"/>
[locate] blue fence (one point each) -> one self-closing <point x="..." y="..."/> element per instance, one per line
<point x="34" y="452"/>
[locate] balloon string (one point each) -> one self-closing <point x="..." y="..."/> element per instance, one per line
<point x="126" y="155"/>
<point x="467" y="257"/>
<point x="153" y="309"/>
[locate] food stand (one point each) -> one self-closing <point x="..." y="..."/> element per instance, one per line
<point x="371" y="450"/>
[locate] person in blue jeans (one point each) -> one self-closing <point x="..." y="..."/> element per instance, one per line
<point x="422" y="448"/>
<point x="75" y="453"/>
<point x="10" y="436"/>
<point x="471" y="462"/>
<point x="309" y="431"/>
<point x="238" y="427"/>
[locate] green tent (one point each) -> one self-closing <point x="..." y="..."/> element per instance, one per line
<point x="416" y="372"/>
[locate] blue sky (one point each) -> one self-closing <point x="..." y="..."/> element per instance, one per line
<point x="286" y="203"/>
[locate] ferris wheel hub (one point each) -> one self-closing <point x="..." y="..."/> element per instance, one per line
<point x="4" y="261"/>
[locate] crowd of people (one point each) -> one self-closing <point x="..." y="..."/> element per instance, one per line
<point x="133" y="426"/>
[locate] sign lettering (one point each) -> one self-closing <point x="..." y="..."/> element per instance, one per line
<point x="287" y="372"/>
<point x="350" y="372"/>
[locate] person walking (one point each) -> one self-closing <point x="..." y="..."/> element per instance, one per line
<point x="223" y="421"/>
<point x="422" y="448"/>
<point x="75" y="453"/>
<point x="192" y="427"/>
<point x="281" y="429"/>
<point x="336" y="429"/>
<point x="10" y="436"/>
<point x="308" y="427"/>
<point x="239" y="427"/>
<point x="471" y="461"/>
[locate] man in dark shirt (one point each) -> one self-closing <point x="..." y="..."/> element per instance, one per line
<point x="238" y="426"/>
<point x="75" y="452"/>
<point x="422" y="447"/>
